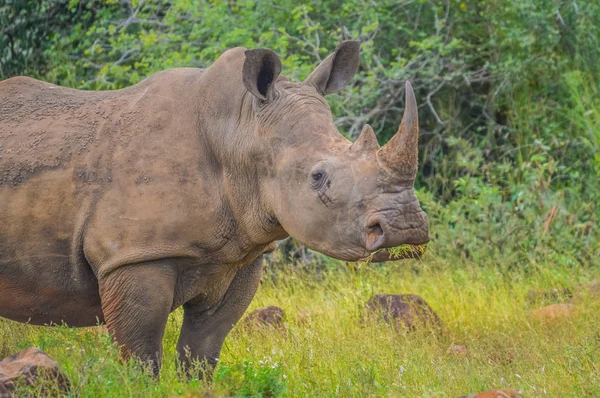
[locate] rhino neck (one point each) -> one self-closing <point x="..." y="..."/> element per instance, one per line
<point x="240" y="158"/>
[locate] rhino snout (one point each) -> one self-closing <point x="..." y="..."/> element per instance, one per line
<point x="384" y="233"/>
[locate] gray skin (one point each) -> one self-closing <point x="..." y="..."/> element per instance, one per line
<point x="121" y="206"/>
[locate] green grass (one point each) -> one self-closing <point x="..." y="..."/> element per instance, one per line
<point x="331" y="352"/>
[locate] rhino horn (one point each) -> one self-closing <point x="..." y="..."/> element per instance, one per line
<point x="366" y="141"/>
<point x="400" y="154"/>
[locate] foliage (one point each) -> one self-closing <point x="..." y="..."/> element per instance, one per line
<point x="28" y="27"/>
<point x="509" y="92"/>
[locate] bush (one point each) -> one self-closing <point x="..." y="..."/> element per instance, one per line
<point x="508" y="93"/>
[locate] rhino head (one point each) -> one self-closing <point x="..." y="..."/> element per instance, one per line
<point x="343" y="199"/>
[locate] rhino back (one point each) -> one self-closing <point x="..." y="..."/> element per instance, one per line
<point x="41" y="127"/>
<point x="63" y="150"/>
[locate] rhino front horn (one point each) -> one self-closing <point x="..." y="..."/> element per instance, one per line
<point x="400" y="154"/>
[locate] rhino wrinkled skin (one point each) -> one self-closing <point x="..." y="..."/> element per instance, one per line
<point x="118" y="207"/>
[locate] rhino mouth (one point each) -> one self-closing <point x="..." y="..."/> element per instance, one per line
<point x="406" y="252"/>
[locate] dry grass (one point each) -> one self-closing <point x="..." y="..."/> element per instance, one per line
<point x="326" y="350"/>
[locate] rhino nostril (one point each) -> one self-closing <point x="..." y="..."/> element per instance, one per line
<point x="376" y="228"/>
<point x="375" y="237"/>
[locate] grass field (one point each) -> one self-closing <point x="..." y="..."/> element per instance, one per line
<point x="329" y="352"/>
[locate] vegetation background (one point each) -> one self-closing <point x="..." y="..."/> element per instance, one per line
<point x="509" y="94"/>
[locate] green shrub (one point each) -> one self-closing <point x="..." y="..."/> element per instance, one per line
<point x="508" y="93"/>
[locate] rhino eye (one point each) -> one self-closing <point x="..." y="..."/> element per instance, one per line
<point x="318" y="178"/>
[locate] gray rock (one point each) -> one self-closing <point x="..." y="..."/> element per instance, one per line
<point x="266" y="316"/>
<point x="31" y="367"/>
<point x="404" y="310"/>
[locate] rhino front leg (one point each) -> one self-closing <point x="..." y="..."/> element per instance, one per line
<point x="204" y="329"/>
<point x="136" y="302"/>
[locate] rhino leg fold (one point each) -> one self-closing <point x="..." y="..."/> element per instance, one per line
<point x="204" y="329"/>
<point x="136" y="302"/>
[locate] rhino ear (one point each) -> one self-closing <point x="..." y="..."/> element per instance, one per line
<point x="261" y="69"/>
<point x="337" y="70"/>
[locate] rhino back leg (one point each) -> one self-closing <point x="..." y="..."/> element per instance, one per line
<point x="136" y="302"/>
<point x="204" y="328"/>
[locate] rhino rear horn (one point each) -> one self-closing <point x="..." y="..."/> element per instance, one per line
<point x="261" y="69"/>
<point x="337" y="70"/>
<point x="400" y="154"/>
<point x="367" y="141"/>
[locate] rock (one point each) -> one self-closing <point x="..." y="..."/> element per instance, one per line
<point x="404" y="310"/>
<point x="553" y="313"/>
<point x="458" y="351"/>
<point x="29" y="367"/>
<point x="549" y="296"/>
<point x="266" y="316"/>
<point x="508" y="393"/>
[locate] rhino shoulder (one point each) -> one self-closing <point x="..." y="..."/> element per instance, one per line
<point x="172" y="74"/>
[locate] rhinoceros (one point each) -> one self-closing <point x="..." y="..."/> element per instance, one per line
<point x="118" y="207"/>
